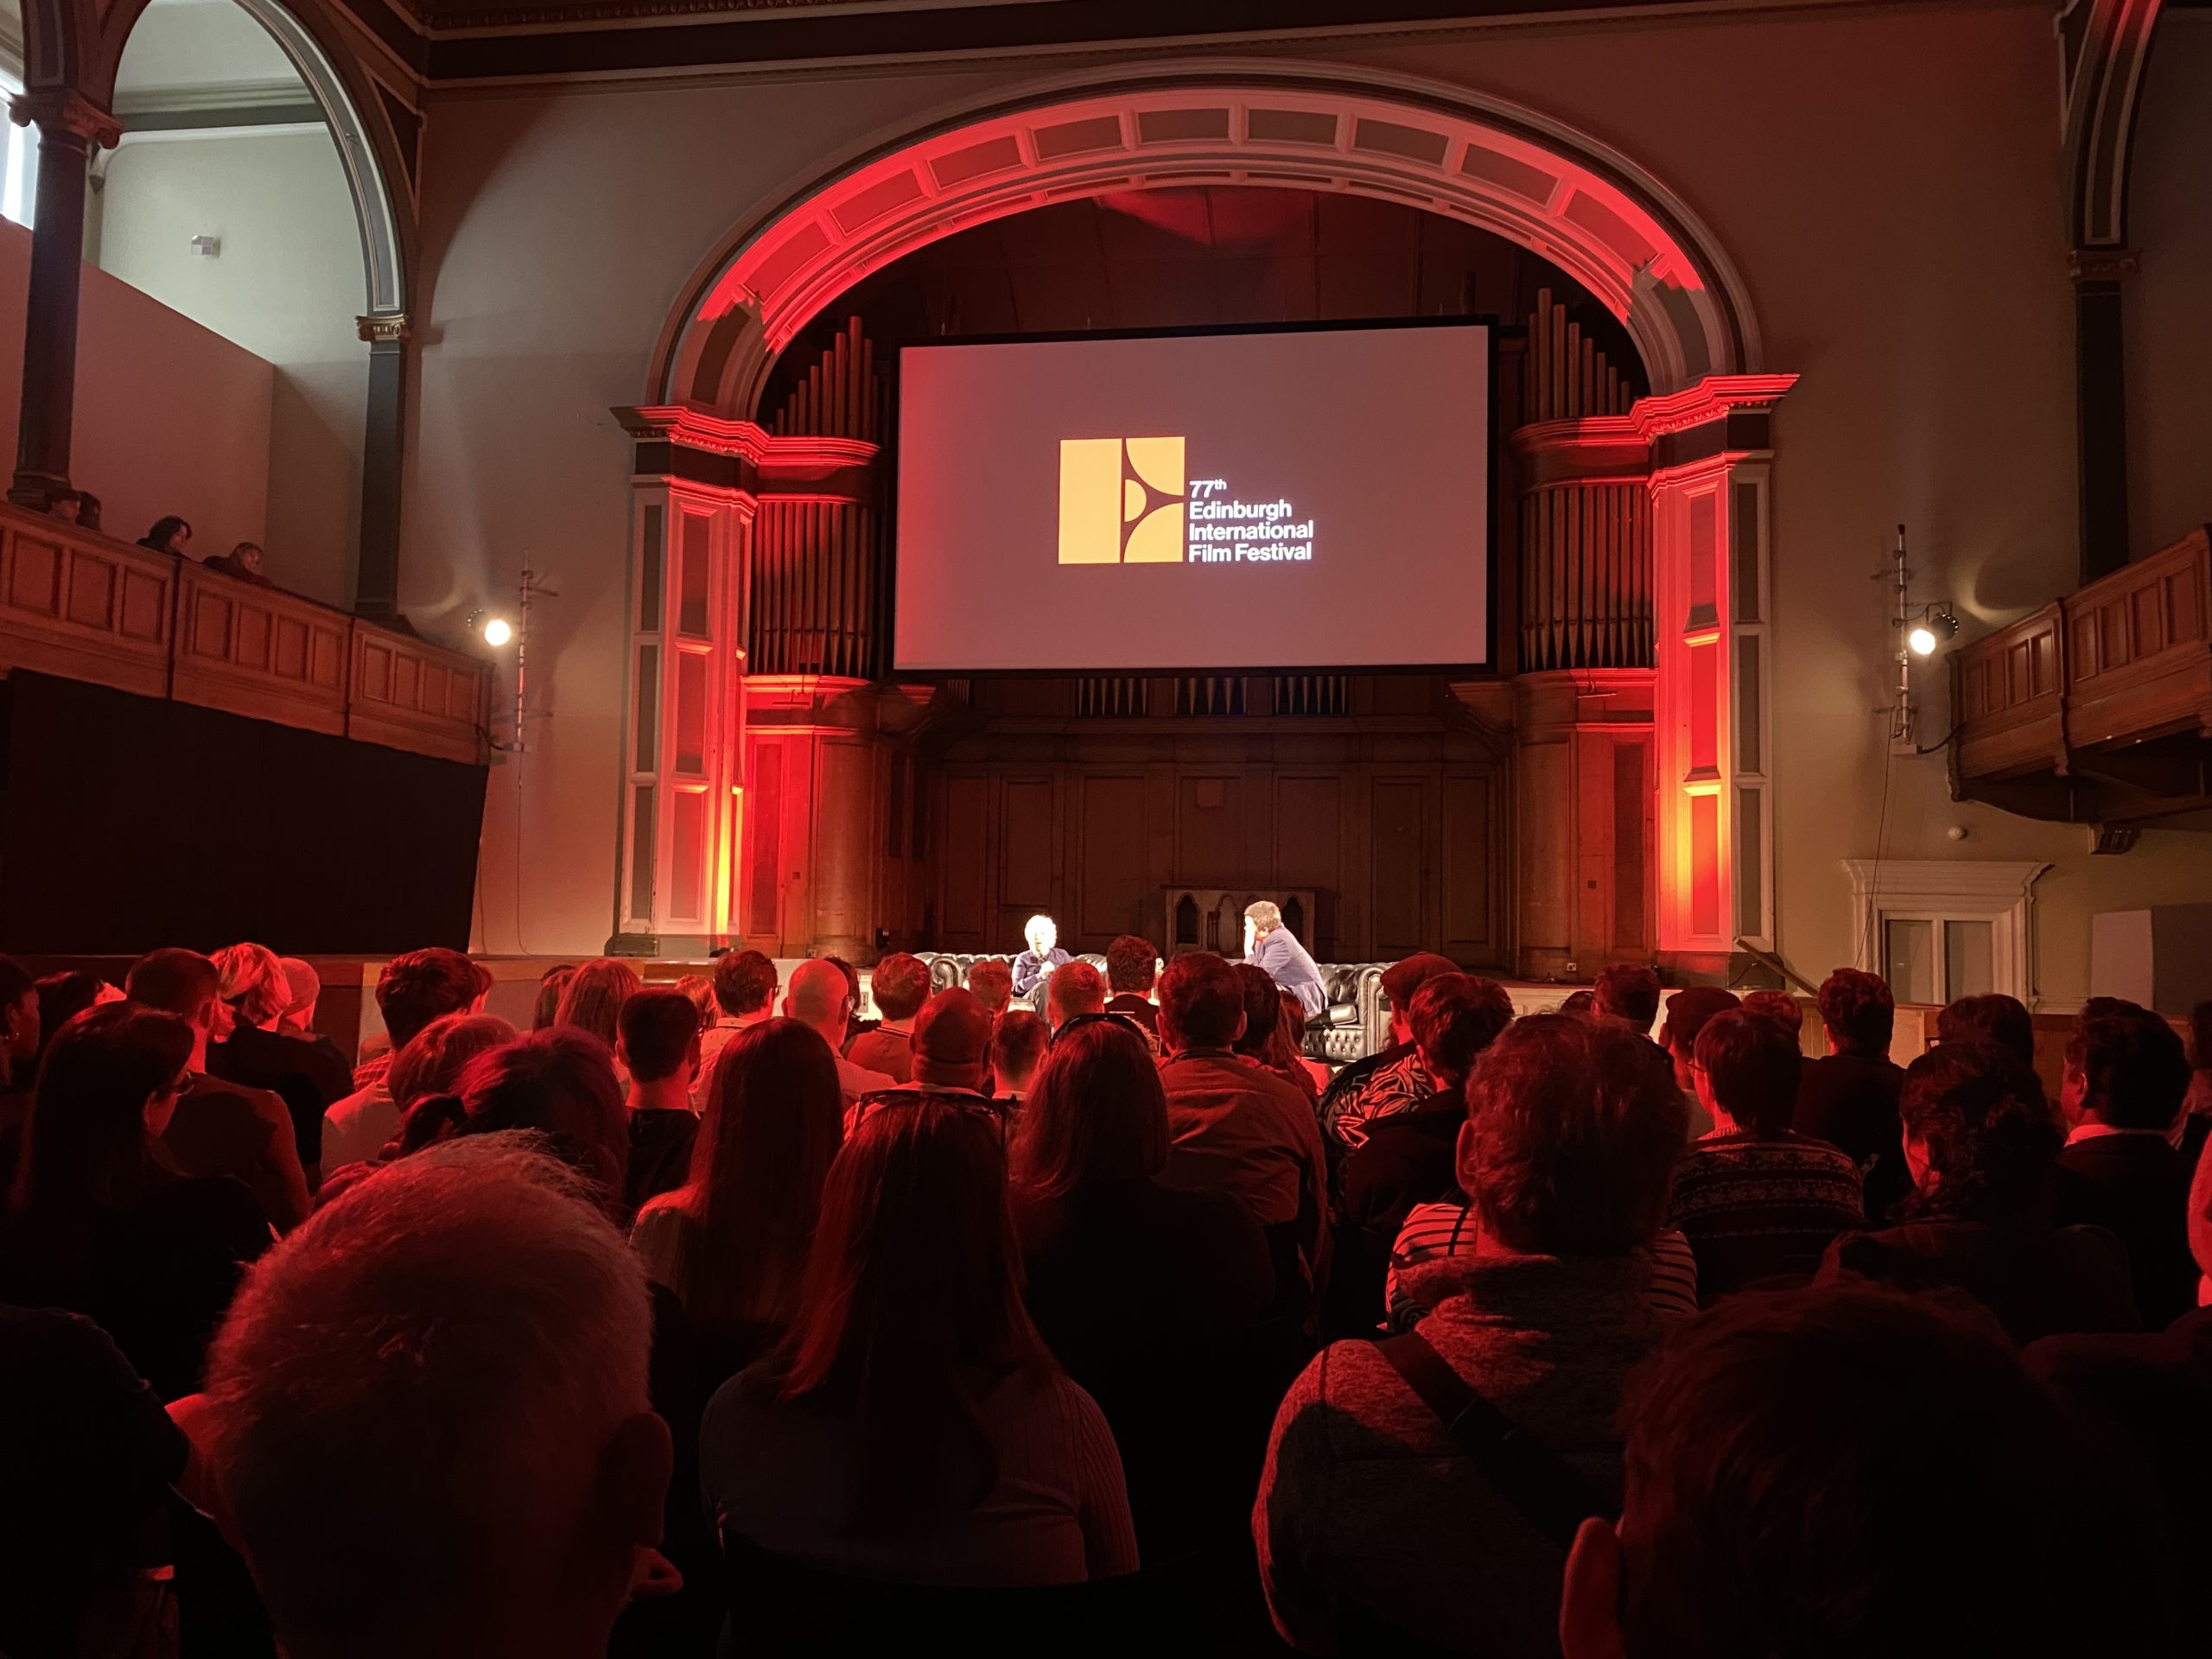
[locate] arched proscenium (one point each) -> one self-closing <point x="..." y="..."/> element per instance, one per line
<point x="1562" y="195"/>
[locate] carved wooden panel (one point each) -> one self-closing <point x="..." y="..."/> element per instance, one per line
<point x="1398" y="870"/>
<point x="78" y="605"/>
<point x="1110" y="879"/>
<point x="412" y="695"/>
<point x="964" y="860"/>
<point x="1027" y="842"/>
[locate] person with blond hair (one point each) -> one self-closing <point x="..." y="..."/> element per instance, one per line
<point x="261" y="1052"/>
<point x="1275" y="949"/>
<point x="1035" y="965"/>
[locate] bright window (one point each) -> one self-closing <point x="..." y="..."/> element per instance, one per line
<point x="19" y="172"/>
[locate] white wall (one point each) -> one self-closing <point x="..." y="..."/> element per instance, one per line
<point x="287" y="285"/>
<point x="1886" y="180"/>
<point x="170" y="418"/>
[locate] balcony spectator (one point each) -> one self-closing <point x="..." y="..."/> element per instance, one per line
<point x="169" y="535"/>
<point x="243" y="561"/>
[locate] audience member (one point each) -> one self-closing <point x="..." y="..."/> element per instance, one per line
<point x="859" y="1027"/>
<point x="1385" y="1512"/>
<point x="169" y="535"/>
<point x="218" y="1127"/>
<point x="22" y="1015"/>
<point x="660" y="1043"/>
<point x="1983" y="1147"/>
<point x="65" y="507"/>
<point x="428" y="1418"/>
<point x="1628" y="992"/>
<point x="1848" y="1098"/>
<point x="243" y="561"/>
<point x="1991" y="1018"/>
<point x="429" y="1065"/>
<point x="731" y="1241"/>
<point x="2126" y="1077"/>
<point x="560" y="1082"/>
<point x="1290" y="1032"/>
<point x="1686" y="1011"/>
<point x="1341" y="1101"/>
<point x="412" y="990"/>
<point x="550" y="984"/>
<point x="1755" y="1200"/>
<point x="745" y="992"/>
<point x="1018" y="1043"/>
<point x="912" y="1424"/>
<point x="952" y="1041"/>
<point x="1778" y="1006"/>
<point x="258" y="1053"/>
<point x="1041" y="959"/>
<point x="1582" y="1004"/>
<point x="820" y="997"/>
<point x="2194" y="1128"/>
<point x="991" y="979"/>
<point x="1847" y="1474"/>
<point x="306" y="986"/>
<point x="62" y="998"/>
<point x="592" y="1000"/>
<point x="100" y="1222"/>
<point x="1234" y="1129"/>
<point x="900" y="985"/>
<point x="1139" y="1287"/>
<point x="1266" y="1042"/>
<point x="1275" y="949"/>
<point x="700" y="988"/>
<point x="1076" y="988"/>
<point x="1410" y="1157"/>
<point x="87" y="1457"/>
<point x="1132" y="970"/>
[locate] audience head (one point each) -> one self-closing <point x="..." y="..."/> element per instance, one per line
<point x="852" y="977"/>
<point x="1401" y="981"/>
<point x="1994" y="1018"/>
<point x="700" y="988"/>
<point x="1573" y="1126"/>
<point x="952" y="1034"/>
<point x="1850" y="1473"/>
<point x="820" y="997"/>
<point x="64" y="505"/>
<point x="254" y="983"/>
<point x="1041" y="934"/>
<point x="1018" y="1043"/>
<point x="1075" y="987"/>
<point x="560" y="1082"/>
<point x="1581" y="1005"/>
<point x="109" y="1083"/>
<point x="1131" y="966"/>
<point x="1097" y="1113"/>
<point x="991" y="979"/>
<point x="423" y="985"/>
<point x="1777" y="1006"/>
<point x="1857" y="1012"/>
<point x="1455" y="1017"/>
<point x="592" y="1000"/>
<point x="169" y="535"/>
<point x="62" y="998"/>
<point x="660" y="1031"/>
<point x="772" y="1121"/>
<point x="2129" y="1070"/>
<point x="550" y="984"/>
<point x="899" y="986"/>
<point x="1263" y="1009"/>
<point x="1201" y="1002"/>
<point x="745" y="983"/>
<point x="88" y="509"/>
<point x="247" y="557"/>
<point x="434" y="1059"/>
<point x="1747" y="1068"/>
<point x="306" y="986"/>
<point x="457" y="1344"/>
<point x="181" y="982"/>
<point x="1686" y="1011"/>
<point x="21" y="1022"/>
<point x="1628" y="992"/>
<point x="1978" y="1138"/>
<point x="911" y="1309"/>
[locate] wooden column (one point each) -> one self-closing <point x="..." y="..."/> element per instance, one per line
<point x="69" y="125"/>
<point x="2101" y="406"/>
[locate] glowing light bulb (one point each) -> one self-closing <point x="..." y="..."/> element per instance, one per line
<point x="498" y="633"/>
<point x="1921" y="640"/>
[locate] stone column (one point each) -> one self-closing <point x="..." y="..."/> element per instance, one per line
<point x="69" y="125"/>
<point x="375" y="589"/>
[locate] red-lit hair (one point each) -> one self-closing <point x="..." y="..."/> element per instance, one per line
<point x="1096" y="1112"/>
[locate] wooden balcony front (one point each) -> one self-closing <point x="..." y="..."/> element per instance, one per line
<point x="83" y="606"/>
<point x="2096" y="708"/>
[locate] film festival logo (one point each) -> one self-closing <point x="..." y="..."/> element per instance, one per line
<point x="1122" y="500"/>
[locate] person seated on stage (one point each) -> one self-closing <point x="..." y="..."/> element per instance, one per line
<point x="1035" y="965"/>
<point x="1239" y="1130"/>
<point x="1849" y="1095"/>
<point x="991" y="979"/>
<point x="412" y="990"/>
<point x="900" y="985"/>
<point x="1375" y="1527"/>
<point x="1267" y="1040"/>
<point x="950" y="1047"/>
<point x="1018" y="1045"/>
<point x="2125" y="1077"/>
<point x="427" y="1425"/>
<point x="659" y="1048"/>
<point x="1271" y="947"/>
<point x="1401" y="981"/>
<point x="820" y="997"/>
<point x="1076" y="988"/>
<point x="259" y="1054"/>
<point x="1132" y="970"/>
<point x="218" y="1127"/>
<point x="1853" y="1474"/>
<point x="1992" y="1017"/>
<point x="745" y="996"/>
<point x="1755" y="1200"/>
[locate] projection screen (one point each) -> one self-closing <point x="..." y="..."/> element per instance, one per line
<point x="1293" y="498"/>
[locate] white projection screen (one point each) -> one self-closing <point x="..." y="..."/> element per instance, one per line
<point x="1302" y="498"/>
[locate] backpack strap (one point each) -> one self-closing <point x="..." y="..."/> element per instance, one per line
<point x="1550" y="1494"/>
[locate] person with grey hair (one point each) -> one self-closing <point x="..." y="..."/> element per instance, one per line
<point x="1035" y="965"/>
<point x="426" y="1424"/>
<point x="1275" y="949"/>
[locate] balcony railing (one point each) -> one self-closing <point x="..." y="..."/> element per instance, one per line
<point x="83" y="606"/>
<point x="2097" y="708"/>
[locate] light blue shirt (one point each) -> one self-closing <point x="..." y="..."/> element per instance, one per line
<point x="1284" y="961"/>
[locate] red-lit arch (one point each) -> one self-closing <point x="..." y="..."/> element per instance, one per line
<point x="1560" y="193"/>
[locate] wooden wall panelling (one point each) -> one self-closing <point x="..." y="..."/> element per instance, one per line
<point x="1398" y="872"/>
<point x="1110" y="875"/>
<point x="1470" y="889"/>
<point x="1308" y="827"/>
<point x="963" y="860"/>
<point x="1026" y="836"/>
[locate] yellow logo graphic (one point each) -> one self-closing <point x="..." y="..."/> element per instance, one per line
<point x="1122" y="500"/>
